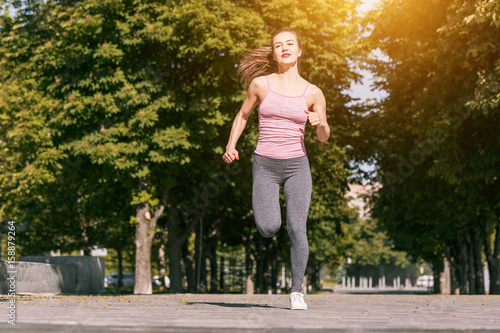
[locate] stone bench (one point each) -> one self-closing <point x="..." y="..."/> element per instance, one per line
<point x="55" y="275"/>
<point x="38" y="278"/>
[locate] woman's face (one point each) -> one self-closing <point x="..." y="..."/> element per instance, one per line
<point x="286" y="49"/>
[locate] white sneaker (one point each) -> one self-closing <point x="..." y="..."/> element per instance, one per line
<point x="297" y="301"/>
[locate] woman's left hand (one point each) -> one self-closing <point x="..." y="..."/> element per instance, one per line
<point x="313" y="118"/>
<point x="317" y="117"/>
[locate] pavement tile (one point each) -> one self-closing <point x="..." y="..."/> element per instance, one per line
<point x="192" y="313"/>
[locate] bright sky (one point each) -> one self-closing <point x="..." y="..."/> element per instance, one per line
<point x="367" y="5"/>
<point x="363" y="90"/>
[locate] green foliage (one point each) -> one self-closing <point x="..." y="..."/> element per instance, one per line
<point x="373" y="247"/>
<point x="436" y="136"/>
<point x="105" y="105"/>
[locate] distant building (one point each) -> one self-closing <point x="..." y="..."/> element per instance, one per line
<point x="359" y="197"/>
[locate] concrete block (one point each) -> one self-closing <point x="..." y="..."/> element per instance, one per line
<point x="89" y="270"/>
<point x="38" y="278"/>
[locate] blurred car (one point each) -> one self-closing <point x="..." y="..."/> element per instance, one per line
<point x="425" y="281"/>
<point x="111" y="280"/>
<point x="156" y="281"/>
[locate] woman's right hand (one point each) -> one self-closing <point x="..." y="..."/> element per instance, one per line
<point x="230" y="155"/>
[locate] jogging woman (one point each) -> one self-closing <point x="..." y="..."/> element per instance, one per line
<point x="271" y="74"/>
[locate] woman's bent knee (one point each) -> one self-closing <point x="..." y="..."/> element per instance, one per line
<point x="268" y="231"/>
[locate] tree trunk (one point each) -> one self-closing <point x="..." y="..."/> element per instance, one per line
<point x="214" y="278"/>
<point x="144" y="234"/>
<point x="212" y="255"/>
<point x="462" y="273"/>
<point x="313" y="272"/>
<point x="221" y="279"/>
<point x="310" y="272"/>
<point x="270" y="256"/>
<point x="202" y="286"/>
<point x="455" y="268"/>
<point x="471" y="272"/>
<point x="174" y="264"/>
<point x="189" y="268"/>
<point x="200" y="257"/>
<point x="143" y="242"/>
<point x="268" y="267"/>
<point x="201" y="271"/>
<point x="250" y="277"/>
<point x="162" y="266"/>
<point x="174" y="245"/>
<point x="492" y="255"/>
<point x="174" y="250"/>
<point x="87" y="247"/>
<point x="454" y="283"/>
<point x="86" y="240"/>
<point x="437" y="269"/>
<point x="120" y="265"/>
<point x="162" y="260"/>
<point x="496" y="259"/>
<point x="478" y="260"/>
<point x="319" y="265"/>
<point x="274" y="276"/>
<point x="259" y="285"/>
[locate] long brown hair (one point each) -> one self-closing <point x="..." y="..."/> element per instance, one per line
<point x="259" y="61"/>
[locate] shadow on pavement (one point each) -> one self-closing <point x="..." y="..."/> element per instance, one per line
<point x="237" y="305"/>
<point x="357" y="291"/>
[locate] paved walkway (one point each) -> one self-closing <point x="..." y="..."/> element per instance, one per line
<point x="257" y="313"/>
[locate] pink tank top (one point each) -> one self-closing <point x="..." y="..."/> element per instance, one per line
<point x="282" y="122"/>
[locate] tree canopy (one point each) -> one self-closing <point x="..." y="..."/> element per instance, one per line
<point x="436" y="137"/>
<point x="115" y="114"/>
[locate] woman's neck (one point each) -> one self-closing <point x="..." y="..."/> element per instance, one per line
<point x="289" y="75"/>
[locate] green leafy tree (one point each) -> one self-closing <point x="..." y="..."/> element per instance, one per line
<point x="142" y="95"/>
<point x="137" y="88"/>
<point x="438" y="125"/>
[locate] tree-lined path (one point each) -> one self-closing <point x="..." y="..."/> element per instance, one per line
<point x="190" y="313"/>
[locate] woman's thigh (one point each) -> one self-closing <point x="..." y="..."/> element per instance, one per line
<point x="265" y="197"/>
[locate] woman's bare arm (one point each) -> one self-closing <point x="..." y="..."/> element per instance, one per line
<point x="240" y="121"/>
<point x="317" y="117"/>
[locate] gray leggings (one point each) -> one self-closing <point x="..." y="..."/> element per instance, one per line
<point x="294" y="175"/>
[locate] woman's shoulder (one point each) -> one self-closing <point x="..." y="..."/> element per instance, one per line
<point x="315" y="95"/>
<point x="314" y="89"/>
<point x="259" y="83"/>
